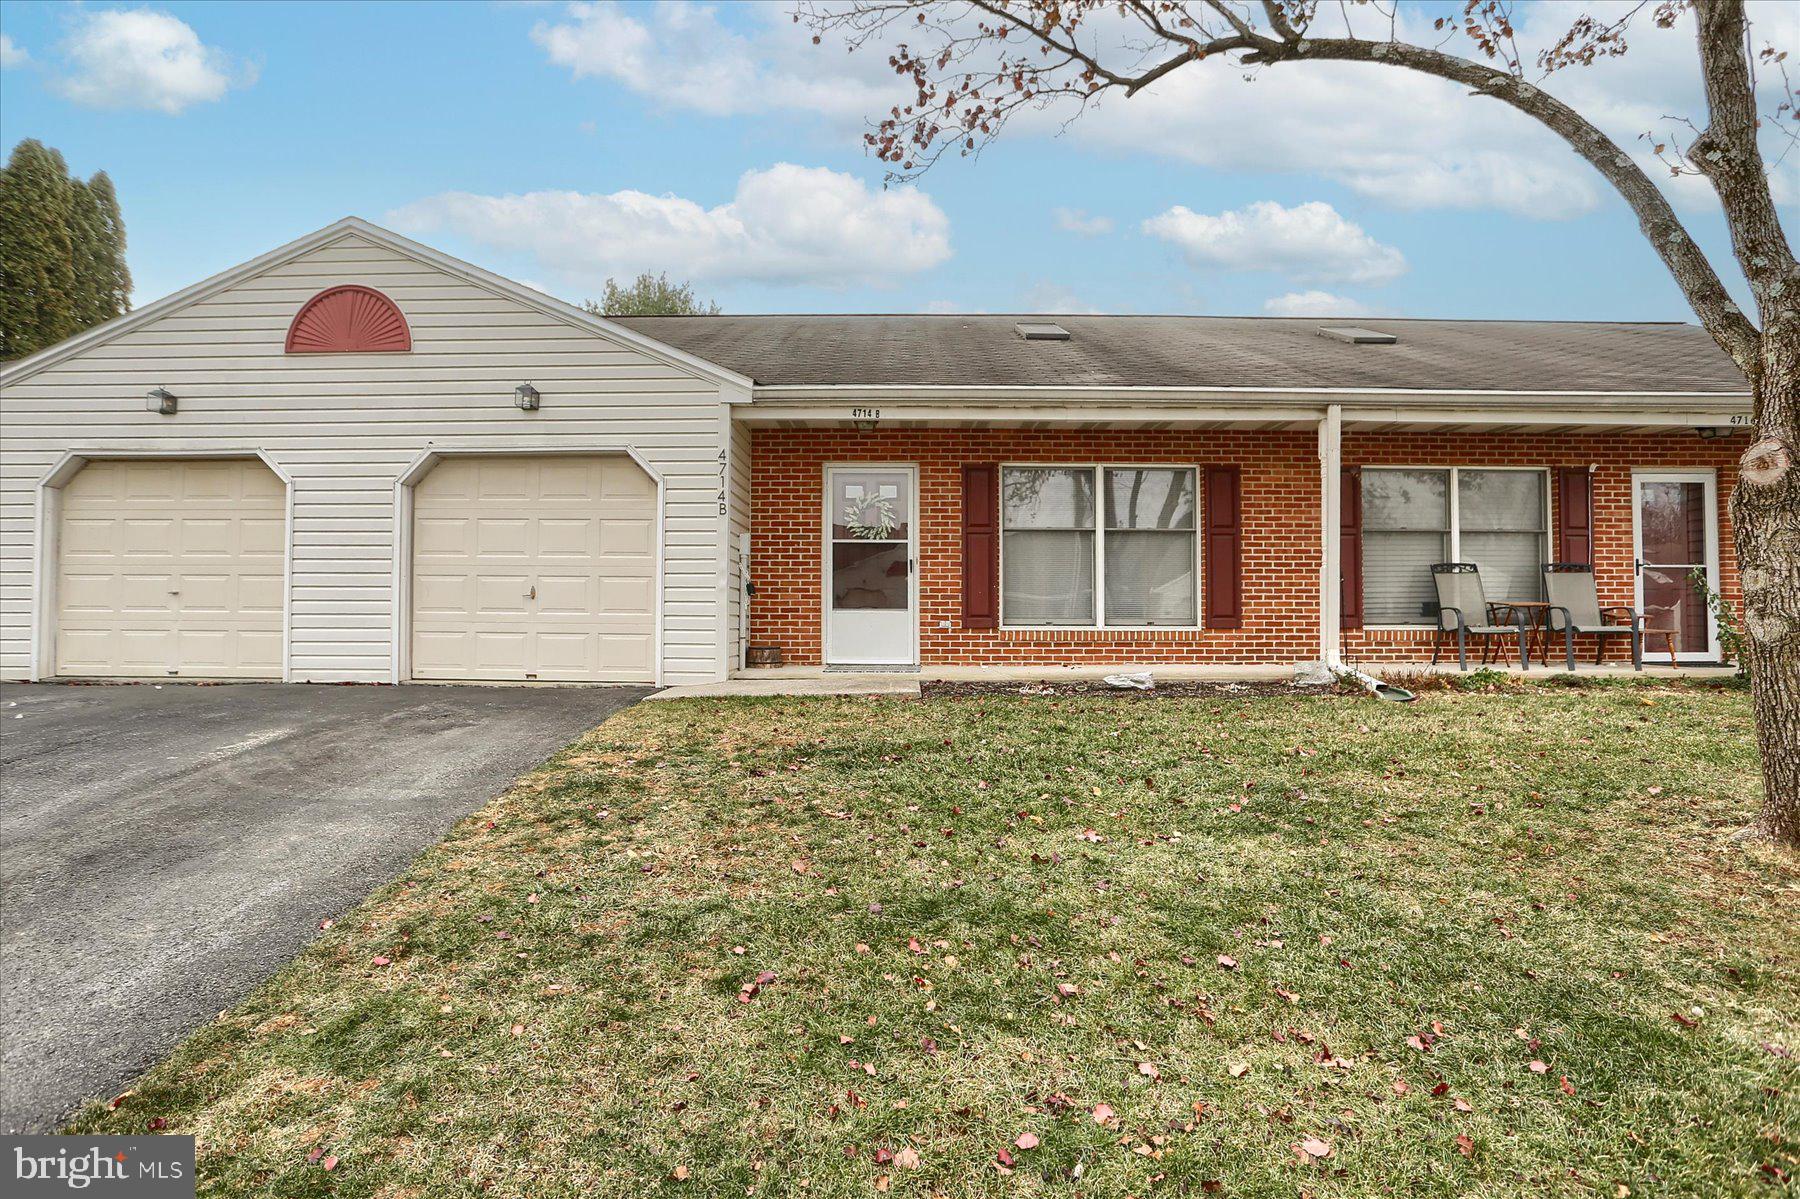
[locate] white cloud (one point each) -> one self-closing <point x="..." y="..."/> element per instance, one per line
<point x="140" y="58"/>
<point x="1077" y="221"/>
<point x="682" y="56"/>
<point x="1314" y="303"/>
<point x="1053" y="299"/>
<point x="1311" y="242"/>
<point x="1403" y="139"/>
<point x="11" y="53"/>
<point x="785" y="225"/>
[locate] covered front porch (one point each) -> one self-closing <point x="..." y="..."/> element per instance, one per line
<point x="1022" y="530"/>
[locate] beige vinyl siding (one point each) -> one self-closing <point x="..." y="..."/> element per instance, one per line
<point x="345" y="426"/>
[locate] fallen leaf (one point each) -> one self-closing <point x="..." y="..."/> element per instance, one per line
<point x="1568" y="1088"/>
<point x="330" y="1163"/>
<point x="381" y="961"/>
<point x="1149" y="1070"/>
<point x="1102" y="1113"/>
<point x="1227" y="961"/>
<point x="1238" y="1069"/>
<point x="1464" y="1145"/>
<point x="907" y="1158"/>
<point x="679" y="1174"/>
<point x="800" y="865"/>
<point x="1026" y="1141"/>
<point x="1315" y="1148"/>
<point x="1537" y="1067"/>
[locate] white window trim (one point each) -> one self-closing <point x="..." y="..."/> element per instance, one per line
<point x="1456" y="518"/>
<point x="1098" y="469"/>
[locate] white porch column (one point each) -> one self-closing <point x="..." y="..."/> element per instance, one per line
<point x="1331" y="497"/>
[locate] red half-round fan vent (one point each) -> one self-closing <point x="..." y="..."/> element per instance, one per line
<point x="349" y="320"/>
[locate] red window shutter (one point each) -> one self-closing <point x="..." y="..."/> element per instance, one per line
<point x="1350" y="558"/>
<point x="981" y="546"/>
<point x="1223" y="551"/>
<point x="1574" y="515"/>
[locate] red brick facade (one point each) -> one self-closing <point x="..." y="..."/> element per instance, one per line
<point x="1280" y="545"/>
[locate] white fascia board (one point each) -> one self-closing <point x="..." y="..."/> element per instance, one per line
<point x="730" y="382"/>
<point x="1245" y="404"/>
<point x="1316" y="398"/>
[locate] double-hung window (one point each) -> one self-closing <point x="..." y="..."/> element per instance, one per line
<point x="1099" y="547"/>
<point x="1412" y="518"/>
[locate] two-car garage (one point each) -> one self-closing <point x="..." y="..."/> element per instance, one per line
<point x="356" y="459"/>
<point x="523" y="568"/>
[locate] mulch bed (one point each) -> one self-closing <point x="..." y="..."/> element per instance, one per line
<point x="1095" y="688"/>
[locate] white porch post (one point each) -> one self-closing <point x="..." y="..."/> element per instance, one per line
<point x="1331" y="496"/>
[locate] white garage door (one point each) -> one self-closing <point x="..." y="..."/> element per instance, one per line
<point x="535" y="568"/>
<point x="171" y="567"/>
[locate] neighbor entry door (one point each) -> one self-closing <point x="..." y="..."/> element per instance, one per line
<point x="871" y="576"/>
<point x="1677" y="535"/>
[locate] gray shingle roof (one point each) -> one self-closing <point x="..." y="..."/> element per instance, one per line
<point x="1203" y="351"/>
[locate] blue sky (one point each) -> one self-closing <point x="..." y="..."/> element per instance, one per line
<point x="560" y="143"/>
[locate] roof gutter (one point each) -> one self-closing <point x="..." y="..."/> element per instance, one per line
<point x="1313" y="397"/>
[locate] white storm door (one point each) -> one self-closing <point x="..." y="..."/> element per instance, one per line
<point x="871" y="583"/>
<point x="1676" y="527"/>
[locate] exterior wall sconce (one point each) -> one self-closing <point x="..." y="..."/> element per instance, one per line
<point x="160" y="401"/>
<point x="865" y="426"/>
<point x="1713" y="433"/>
<point x="526" y="397"/>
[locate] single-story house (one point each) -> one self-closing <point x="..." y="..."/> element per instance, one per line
<point x="358" y="459"/>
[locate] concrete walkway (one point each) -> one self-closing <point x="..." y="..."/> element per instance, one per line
<point x="812" y="680"/>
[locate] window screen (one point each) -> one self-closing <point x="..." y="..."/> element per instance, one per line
<point x="1406" y="528"/>
<point x="1150" y="542"/>
<point x="1047" y="546"/>
<point x="1500" y="519"/>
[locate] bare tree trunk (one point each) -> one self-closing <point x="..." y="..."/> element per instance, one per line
<point x="1765" y="511"/>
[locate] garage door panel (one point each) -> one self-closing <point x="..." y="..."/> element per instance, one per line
<point x="145" y="594"/>
<point x="441" y="535"/>
<point x="622" y="479"/>
<point x="141" y="482"/>
<point x="531" y="556"/>
<point x="145" y="537"/>
<point x="503" y="538"/>
<point x="172" y="567"/>
<point x="622" y="652"/>
<point x="260" y="594"/>
<point x="564" y="479"/>
<point x="564" y="536"/>
<point x="627" y="596"/>
<point x="439" y="595"/>
<point x="264" y="537"/>
<point x="567" y="595"/>
<point x="627" y="538"/>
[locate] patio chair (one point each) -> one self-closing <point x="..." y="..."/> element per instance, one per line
<point x="1461" y="600"/>
<point x="1575" y="611"/>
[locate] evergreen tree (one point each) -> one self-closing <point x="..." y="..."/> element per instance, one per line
<point x="62" y="251"/>
<point x="112" y="232"/>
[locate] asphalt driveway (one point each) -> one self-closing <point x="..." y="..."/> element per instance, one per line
<point x="164" y="849"/>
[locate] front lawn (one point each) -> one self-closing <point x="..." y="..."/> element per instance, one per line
<point x="1479" y="945"/>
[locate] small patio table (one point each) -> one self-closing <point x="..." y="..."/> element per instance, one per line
<point x="1537" y="621"/>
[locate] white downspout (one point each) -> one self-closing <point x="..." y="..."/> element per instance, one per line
<point x="1331" y="498"/>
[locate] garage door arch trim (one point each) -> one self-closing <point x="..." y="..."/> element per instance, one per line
<point x="431" y="456"/>
<point x="47" y="525"/>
